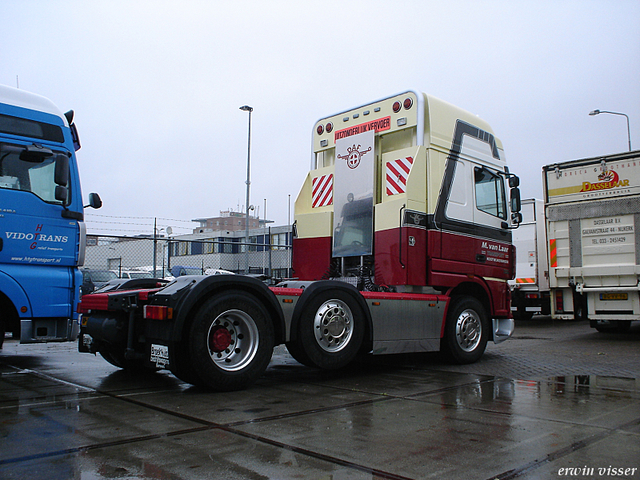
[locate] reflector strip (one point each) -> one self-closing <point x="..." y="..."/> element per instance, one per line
<point x="525" y="280"/>
<point x="553" y="253"/>
<point x="397" y="174"/>
<point x="322" y="191"/>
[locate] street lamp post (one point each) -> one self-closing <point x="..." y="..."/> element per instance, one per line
<point x="598" y="112"/>
<point x="247" y="108"/>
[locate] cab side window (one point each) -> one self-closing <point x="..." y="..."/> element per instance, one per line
<point x="490" y="196"/>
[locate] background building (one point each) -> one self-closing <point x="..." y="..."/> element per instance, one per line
<point x="208" y="248"/>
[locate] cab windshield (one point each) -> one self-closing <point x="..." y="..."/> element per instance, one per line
<point x="33" y="174"/>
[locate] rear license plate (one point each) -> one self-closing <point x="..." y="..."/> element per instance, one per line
<point x="159" y="355"/>
<point x="614" y="296"/>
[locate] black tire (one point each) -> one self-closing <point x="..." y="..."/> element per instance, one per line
<point x="117" y="359"/>
<point x="330" y="331"/>
<point x="466" y="330"/>
<point x="522" y="315"/>
<point x="180" y="364"/>
<point x="230" y="342"/>
<point x="112" y="359"/>
<point x="298" y="354"/>
<point x="617" y="326"/>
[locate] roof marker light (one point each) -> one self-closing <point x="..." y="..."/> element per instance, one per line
<point x="396" y="107"/>
<point x="320" y="129"/>
<point x="408" y="103"/>
<point x="329" y="127"/>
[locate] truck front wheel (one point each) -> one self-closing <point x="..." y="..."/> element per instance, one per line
<point x="231" y="341"/>
<point x="331" y="330"/>
<point x="466" y="330"/>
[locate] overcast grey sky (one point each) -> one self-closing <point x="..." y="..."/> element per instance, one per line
<point x="156" y="86"/>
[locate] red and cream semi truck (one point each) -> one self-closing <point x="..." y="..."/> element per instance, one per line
<point x="402" y="244"/>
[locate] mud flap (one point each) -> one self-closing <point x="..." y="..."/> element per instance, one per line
<point x="502" y="329"/>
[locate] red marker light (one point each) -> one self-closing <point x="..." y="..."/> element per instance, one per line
<point x="396" y="107"/>
<point x="320" y="130"/>
<point x="408" y="103"/>
<point x="329" y="127"/>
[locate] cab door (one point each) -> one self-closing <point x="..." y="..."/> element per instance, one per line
<point x="38" y="250"/>
<point x="492" y="247"/>
<point x="471" y="213"/>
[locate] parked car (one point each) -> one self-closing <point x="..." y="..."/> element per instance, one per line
<point x="94" y="279"/>
<point x="217" y="271"/>
<point x="159" y="272"/>
<point x="180" y="270"/>
<point x="133" y="274"/>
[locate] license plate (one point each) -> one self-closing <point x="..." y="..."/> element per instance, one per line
<point x="614" y="296"/>
<point x="159" y="355"/>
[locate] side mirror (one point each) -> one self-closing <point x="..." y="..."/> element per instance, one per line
<point x="94" y="201"/>
<point x="516" y="205"/>
<point x="516" y="218"/>
<point x="62" y="194"/>
<point x="61" y="174"/>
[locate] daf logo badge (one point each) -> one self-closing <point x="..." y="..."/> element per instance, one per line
<point x="353" y="156"/>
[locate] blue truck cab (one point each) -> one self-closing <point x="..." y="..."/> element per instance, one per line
<point x="42" y="240"/>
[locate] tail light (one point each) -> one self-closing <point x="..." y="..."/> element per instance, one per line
<point x="559" y="301"/>
<point x="157" y="312"/>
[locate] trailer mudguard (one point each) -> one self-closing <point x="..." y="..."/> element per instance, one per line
<point x="316" y="288"/>
<point x="187" y="293"/>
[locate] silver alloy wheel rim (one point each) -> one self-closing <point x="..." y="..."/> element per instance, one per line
<point x="244" y="340"/>
<point x="468" y="330"/>
<point x="333" y="325"/>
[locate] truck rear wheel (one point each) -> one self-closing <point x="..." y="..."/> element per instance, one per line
<point x="466" y="330"/>
<point x="180" y="364"/>
<point x="117" y="359"/>
<point x="330" y="332"/>
<point x="231" y="341"/>
<point x="613" y="326"/>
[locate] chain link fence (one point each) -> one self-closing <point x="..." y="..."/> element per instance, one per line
<point x="139" y="257"/>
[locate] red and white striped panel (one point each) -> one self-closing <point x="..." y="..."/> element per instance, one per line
<point x="322" y="191"/>
<point x="397" y="173"/>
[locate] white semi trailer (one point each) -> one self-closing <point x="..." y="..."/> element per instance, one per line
<point x="530" y="288"/>
<point x="593" y="222"/>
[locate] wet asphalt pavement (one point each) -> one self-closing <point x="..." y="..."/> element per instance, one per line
<point x="559" y="400"/>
